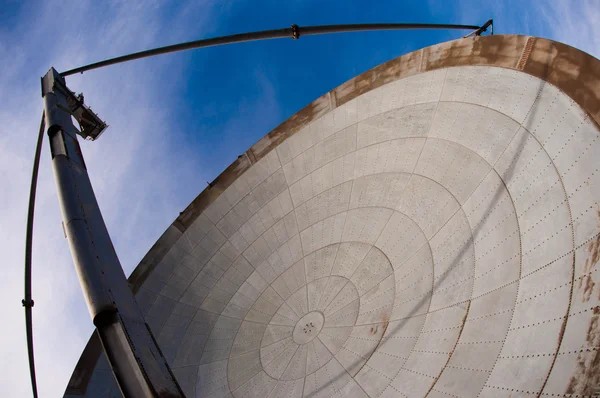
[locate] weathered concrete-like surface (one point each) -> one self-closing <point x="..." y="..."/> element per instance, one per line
<point x="430" y="228"/>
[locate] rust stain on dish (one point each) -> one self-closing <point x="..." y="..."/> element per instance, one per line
<point x="573" y="71"/>
<point x="462" y="327"/>
<point x="588" y="288"/>
<point x="498" y="50"/>
<point x="586" y="379"/>
<point x="385" y="322"/>
<point x="594" y="246"/>
<point x="586" y="284"/>
<point x="397" y="68"/>
<point x="310" y="112"/>
<point x="373" y="331"/>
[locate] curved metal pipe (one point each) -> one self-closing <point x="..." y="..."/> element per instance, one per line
<point x="28" y="301"/>
<point x="293" y="32"/>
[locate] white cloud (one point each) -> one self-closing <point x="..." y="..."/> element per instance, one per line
<point x="576" y="23"/>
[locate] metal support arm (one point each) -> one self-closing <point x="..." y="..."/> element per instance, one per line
<point x="136" y="360"/>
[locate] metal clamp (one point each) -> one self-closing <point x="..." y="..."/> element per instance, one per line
<point x="295" y="31"/>
<point x="27" y="303"/>
<point x="484" y="27"/>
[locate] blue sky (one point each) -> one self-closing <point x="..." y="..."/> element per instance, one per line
<point x="177" y="121"/>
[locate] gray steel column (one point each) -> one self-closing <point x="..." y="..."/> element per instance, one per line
<point x="136" y="360"/>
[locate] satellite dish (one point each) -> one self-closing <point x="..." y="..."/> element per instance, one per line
<point x="428" y="228"/>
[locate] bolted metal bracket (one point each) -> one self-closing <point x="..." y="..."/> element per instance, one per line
<point x="91" y="126"/>
<point x="482" y="28"/>
<point x="489" y="23"/>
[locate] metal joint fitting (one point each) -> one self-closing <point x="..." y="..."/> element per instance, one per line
<point x="295" y="31"/>
<point x="27" y="303"/>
